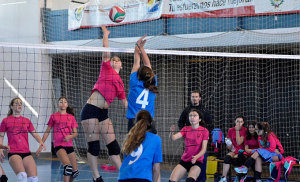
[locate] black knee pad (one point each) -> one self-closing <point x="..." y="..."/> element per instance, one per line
<point x="75" y="174"/>
<point x="227" y="159"/>
<point x="113" y="148"/>
<point x="94" y="148"/>
<point x="190" y="179"/>
<point x="68" y="169"/>
<point x="3" y="178"/>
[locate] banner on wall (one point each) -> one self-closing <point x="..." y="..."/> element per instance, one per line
<point x="228" y="8"/>
<point x="95" y="13"/>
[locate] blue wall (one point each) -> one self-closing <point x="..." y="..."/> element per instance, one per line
<point x="56" y="26"/>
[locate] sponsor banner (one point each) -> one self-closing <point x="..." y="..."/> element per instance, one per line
<point x="96" y="12"/>
<point x="276" y="6"/>
<point x="228" y="8"/>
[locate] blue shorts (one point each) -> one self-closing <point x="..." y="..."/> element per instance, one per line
<point x="267" y="155"/>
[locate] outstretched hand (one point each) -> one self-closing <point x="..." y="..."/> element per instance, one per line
<point x="141" y="42"/>
<point x="105" y="31"/>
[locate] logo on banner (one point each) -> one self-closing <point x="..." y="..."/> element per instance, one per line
<point x="276" y="3"/>
<point x="78" y="13"/>
<point x="153" y="5"/>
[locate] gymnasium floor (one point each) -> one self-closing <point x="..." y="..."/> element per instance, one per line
<point x="50" y="170"/>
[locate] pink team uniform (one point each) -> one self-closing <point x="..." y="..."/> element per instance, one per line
<point x="193" y="139"/>
<point x="109" y="83"/>
<point x="232" y="135"/>
<point x="63" y="125"/>
<point x="252" y="144"/>
<point x="271" y="143"/>
<point x="17" y="129"/>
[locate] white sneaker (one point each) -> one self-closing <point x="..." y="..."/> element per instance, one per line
<point x="223" y="179"/>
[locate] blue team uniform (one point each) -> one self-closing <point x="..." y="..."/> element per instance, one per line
<point x="139" y="97"/>
<point x="138" y="165"/>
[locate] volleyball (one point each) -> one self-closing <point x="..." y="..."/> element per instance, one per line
<point x="117" y="14"/>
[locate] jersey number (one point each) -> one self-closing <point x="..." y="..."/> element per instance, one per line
<point x="144" y="95"/>
<point x="136" y="154"/>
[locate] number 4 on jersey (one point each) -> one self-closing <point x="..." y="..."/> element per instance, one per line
<point x="144" y="95"/>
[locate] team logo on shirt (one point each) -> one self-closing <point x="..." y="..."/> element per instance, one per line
<point x="136" y="154"/>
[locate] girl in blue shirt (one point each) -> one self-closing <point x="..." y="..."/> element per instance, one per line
<point x="142" y="84"/>
<point x="142" y="152"/>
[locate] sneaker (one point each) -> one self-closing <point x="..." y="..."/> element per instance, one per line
<point x="242" y="169"/>
<point x="223" y="179"/>
<point x="98" y="179"/>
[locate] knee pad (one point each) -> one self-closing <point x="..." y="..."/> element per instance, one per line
<point x="33" y="179"/>
<point x="22" y="177"/>
<point x="227" y="159"/>
<point x="75" y="174"/>
<point x="68" y="169"/>
<point x="3" y="178"/>
<point x="171" y="181"/>
<point x="190" y="179"/>
<point x="94" y="148"/>
<point x="113" y="148"/>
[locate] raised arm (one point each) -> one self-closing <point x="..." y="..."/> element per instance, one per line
<point x="174" y="136"/>
<point x="105" y="55"/>
<point x="140" y="43"/>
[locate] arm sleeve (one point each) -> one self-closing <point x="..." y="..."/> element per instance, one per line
<point x="158" y="158"/>
<point x="74" y="123"/>
<point x="183" y="131"/>
<point x="30" y="127"/>
<point x="229" y="135"/>
<point x="206" y="134"/>
<point x="50" y="122"/>
<point x="272" y="141"/>
<point x="3" y="126"/>
<point x="120" y="90"/>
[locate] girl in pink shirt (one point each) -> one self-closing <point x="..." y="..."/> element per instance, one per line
<point x="64" y="130"/>
<point x="234" y="142"/>
<point x="94" y="115"/>
<point x="196" y="138"/>
<point x="266" y="152"/>
<point x="19" y="156"/>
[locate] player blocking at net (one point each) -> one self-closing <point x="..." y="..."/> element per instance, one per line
<point x="195" y="140"/>
<point x="64" y="130"/>
<point x="94" y="115"/>
<point x="142" y="85"/>
<point x="19" y="156"/>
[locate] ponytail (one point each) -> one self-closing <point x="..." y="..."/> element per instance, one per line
<point x="135" y="137"/>
<point x="145" y="74"/>
<point x="137" y="134"/>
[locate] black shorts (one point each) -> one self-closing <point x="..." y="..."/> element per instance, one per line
<point x="22" y="155"/>
<point x="134" y="180"/>
<point x="67" y="149"/>
<point x="90" y="111"/>
<point x="189" y="165"/>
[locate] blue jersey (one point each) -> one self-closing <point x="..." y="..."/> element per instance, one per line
<point x="139" y="97"/>
<point x="139" y="163"/>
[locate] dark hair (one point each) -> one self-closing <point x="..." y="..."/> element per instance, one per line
<point x="265" y="126"/>
<point x="202" y="122"/>
<point x="137" y="133"/>
<point x="146" y="74"/>
<point x="11" y="103"/>
<point x="196" y="91"/>
<point x="69" y="110"/>
<point x="249" y="135"/>
<point x="239" y="116"/>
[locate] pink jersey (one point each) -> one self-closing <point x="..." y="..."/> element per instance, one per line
<point x="193" y="139"/>
<point x="63" y="125"/>
<point x="109" y="83"/>
<point x="232" y="135"/>
<point x="17" y="129"/>
<point x="252" y="144"/>
<point x="271" y="143"/>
